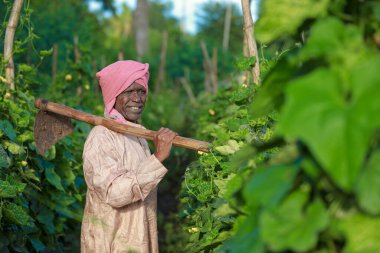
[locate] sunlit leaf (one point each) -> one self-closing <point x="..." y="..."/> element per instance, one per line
<point x="46" y="52"/>
<point x="231" y="147"/>
<point x="13" y="147"/>
<point x="283" y="18"/>
<point x="362" y="233"/>
<point x="318" y="113"/>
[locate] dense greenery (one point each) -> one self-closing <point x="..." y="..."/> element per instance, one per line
<point x="295" y="168"/>
<point x="294" y="162"/>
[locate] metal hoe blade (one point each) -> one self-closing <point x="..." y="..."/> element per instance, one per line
<point x="49" y="128"/>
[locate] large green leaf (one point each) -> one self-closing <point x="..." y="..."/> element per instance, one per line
<point x="362" y="234"/>
<point x="269" y="185"/>
<point x="336" y="125"/>
<point x="368" y="185"/>
<point x="291" y="226"/>
<point x="281" y="18"/>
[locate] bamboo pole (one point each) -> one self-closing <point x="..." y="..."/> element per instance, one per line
<point x="8" y="43"/>
<point x="249" y="36"/>
<point x="227" y="26"/>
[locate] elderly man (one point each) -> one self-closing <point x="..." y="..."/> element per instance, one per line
<point x="120" y="172"/>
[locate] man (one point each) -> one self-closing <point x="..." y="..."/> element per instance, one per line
<point x="120" y="172"/>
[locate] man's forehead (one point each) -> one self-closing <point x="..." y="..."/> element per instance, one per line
<point x="135" y="86"/>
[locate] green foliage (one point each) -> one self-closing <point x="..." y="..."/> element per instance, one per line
<point x="304" y="177"/>
<point x="284" y="18"/>
<point x="33" y="212"/>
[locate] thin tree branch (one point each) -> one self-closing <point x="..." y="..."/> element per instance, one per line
<point x="8" y="42"/>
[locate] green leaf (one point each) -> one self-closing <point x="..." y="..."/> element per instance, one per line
<point x="336" y="127"/>
<point x="362" y="234"/>
<point x="246" y="239"/>
<point x="291" y="226"/>
<point x="331" y="38"/>
<point x="37" y="245"/>
<point x="46" y="52"/>
<point x="46" y="217"/>
<point x="222" y="184"/>
<point x="5" y="160"/>
<point x="25" y="68"/>
<point x="270" y="96"/>
<point x="368" y="185"/>
<point x="19" y="115"/>
<point x="53" y="178"/>
<point x="25" y="136"/>
<point x="269" y="185"/>
<point x="13" y="147"/>
<point x="285" y="17"/>
<point x="7" y="128"/>
<point x="231" y="147"/>
<point x="16" y="214"/>
<point x="245" y="63"/>
<point x="8" y="190"/>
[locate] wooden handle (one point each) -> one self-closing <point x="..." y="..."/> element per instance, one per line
<point x="184" y="142"/>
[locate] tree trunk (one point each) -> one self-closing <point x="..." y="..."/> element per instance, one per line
<point x="54" y="62"/>
<point x="141" y="28"/>
<point x="211" y="79"/>
<point x="227" y="26"/>
<point x="120" y="55"/>
<point x="95" y="80"/>
<point x="185" y="83"/>
<point x="161" y="71"/>
<point x="76" y="49"/>
<point x="250" y="39"/>
<point x="8" y="43"/>
<point x="214" y="72"/>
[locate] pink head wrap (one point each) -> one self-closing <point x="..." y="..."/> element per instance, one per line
<point x="117" y="77"/>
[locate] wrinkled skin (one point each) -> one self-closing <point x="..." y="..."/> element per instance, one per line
<point x="130" y="103"/>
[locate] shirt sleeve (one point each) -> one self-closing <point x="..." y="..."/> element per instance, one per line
<point x="113" y="184"/>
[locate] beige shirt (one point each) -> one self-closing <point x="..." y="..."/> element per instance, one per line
<point x="121" y="199"/>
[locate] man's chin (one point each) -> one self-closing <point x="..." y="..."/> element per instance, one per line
<point x="133" y="117"/>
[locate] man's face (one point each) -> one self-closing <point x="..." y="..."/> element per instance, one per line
<point x="130" y="103"/>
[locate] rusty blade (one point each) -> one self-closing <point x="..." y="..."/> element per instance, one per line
<point x="49" y="128"/>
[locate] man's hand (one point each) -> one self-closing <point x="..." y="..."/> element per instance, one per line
<point x="163" y="140"/>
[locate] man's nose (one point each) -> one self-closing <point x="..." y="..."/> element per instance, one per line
<point x="135" y="97"/>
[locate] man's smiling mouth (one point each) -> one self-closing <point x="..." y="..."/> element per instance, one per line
<point x="134" y="108"/>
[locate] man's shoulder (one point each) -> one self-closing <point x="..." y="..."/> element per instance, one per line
<point x="99" y="132"/>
